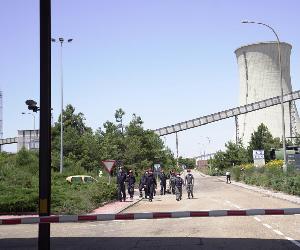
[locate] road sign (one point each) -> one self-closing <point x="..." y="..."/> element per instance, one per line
<point x="259" y="158"/>
<point x="109" y="165"/>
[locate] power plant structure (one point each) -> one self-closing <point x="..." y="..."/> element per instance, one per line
<point x="259" y="74"/>
<point x="1" y="118"/>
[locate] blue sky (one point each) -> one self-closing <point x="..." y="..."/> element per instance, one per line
<point x="167" y="61"/>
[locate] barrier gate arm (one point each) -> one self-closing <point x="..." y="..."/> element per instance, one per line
<point x="147" y="215"/>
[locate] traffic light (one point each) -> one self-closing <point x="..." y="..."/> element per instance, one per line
<point x="32" y="105"/>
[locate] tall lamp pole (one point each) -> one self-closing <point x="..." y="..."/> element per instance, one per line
<point x="61" y="41"/>
<point x="281" y="86"/>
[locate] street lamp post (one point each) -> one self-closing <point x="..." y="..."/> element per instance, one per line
<point x="24" y="113"/>
<point x="61" y="41"/>
<point x="204" y="145"/>
<point x="281" y="86"/>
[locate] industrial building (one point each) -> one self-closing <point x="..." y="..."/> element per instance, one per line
<point x="259" y="74"/>
<point x="29" y="139"/>
<point x="1" y="118"/>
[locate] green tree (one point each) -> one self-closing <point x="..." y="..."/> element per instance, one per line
<point x="111" y="141"/>
<point x="142" y="144"/>
<point x="219" y="160"/>
<point x="188" y="162"/>
<point x="80" y="144"/>
<point x="262" y="139"/>
<point x="235" y="154"/>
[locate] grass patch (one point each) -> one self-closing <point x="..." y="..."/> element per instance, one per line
<point x="271" y="176"/>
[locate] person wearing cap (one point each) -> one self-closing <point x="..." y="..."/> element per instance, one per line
<point x="131" y="181"/>
<point x="151" y="185"/>
<point x="178" y="186"/>
<point x="143" y="185"/>
<point x="121" y="178"/>
<point x="163" y="182"/>
<point x="189" y="182"/>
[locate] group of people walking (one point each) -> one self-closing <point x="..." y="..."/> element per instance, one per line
<point x="176" y="184"/>
<point x="148" y="184"/>
<point x="175" y="181"/>
<point x="122" y="177"/>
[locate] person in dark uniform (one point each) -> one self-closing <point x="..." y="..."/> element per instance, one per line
<point x="172" y="181"/>
<point x="143" y="185"/>
<point x="189" y="182"/>
<point x="163" y="182"/>
<point x="121" y="178"/>
<point x="131" y="181"/>
<point x="151" y="185"/>
<point x="178" y="187"/>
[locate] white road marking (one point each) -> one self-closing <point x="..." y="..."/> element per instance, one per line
<point x="236" y="206"/>
<point x="278" y="232"/>
<point x="258" y="219"/>
<point x="267" y="226"/>
<point x="228" y="201"/>
<point x="297" y="243"/>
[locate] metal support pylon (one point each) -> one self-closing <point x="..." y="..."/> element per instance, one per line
<point x="237" y="132"/>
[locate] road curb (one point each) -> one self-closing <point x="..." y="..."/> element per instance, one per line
<point x="130" y="205"/>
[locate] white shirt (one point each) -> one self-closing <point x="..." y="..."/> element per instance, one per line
<point x="227" y="173"/>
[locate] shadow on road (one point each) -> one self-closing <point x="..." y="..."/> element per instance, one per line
<point x="174" y="243"/>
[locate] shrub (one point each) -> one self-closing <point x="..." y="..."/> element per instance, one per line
<point x="19" y="187"/>
<point x="236" y="171"/>
<point x="275" y="164"/>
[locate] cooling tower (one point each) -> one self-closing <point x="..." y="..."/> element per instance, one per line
<point x="259" y="75"/>
<point x="1" y="119"/>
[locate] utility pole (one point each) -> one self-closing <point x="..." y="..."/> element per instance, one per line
<point x="45" y="123"/>
<point x="177" y="150"/>
<point x="237" y="132"/>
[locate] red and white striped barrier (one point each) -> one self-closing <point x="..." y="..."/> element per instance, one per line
<point x="152" y="215"/>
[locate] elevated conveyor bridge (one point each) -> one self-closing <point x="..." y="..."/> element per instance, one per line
<point x="9" y="140"/>
<point x="227" y="114"/>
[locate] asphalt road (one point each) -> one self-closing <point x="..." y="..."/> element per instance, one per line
<point x="251" y="232"/>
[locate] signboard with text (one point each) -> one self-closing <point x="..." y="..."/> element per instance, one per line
<point x="259" y="158"/>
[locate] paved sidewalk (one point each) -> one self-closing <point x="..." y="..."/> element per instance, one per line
<point x="273" y="193"/>
<point x="116" y="207"/>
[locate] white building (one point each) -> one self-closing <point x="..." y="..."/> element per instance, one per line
<point x="28" y="139"/>
<point x="259" y="74"/>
